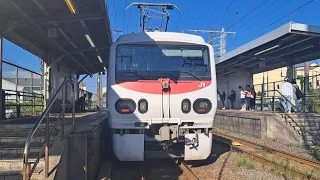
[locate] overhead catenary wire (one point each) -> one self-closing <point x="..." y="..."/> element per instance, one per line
<point x="201" y="7"/>
<point x="253" y="10"/>
<point x="267" y="15"/>
<point x="209" y="7"/>
<point x="224" y="12"/>
<point x="279" y="19"/>
<point x="258" y="14"/>
<point x="242" y="8"/>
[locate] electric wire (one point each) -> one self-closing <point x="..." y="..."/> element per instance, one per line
<point x="253" y="10"/>
<point x="279" y="19"/>
<point x="258" y="14"/>
<point x="207" y="11"/>
<point x="224" y="12"/>
<point x="201" y="7"/>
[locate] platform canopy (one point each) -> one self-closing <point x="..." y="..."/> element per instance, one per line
<point x="76" y="32"/>
<point x="290" y="44"/>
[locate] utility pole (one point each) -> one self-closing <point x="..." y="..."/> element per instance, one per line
<point x="211" y="35"/>
<point x="306" y="85"/>
<point x="221" y="36"/>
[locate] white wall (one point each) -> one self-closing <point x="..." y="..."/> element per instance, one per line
<point x="58" y="78"/>
<point x="232" y="82"/>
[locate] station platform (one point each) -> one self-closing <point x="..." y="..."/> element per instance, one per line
<point x="296" y="128"/>
<point x="53" y="117"/>
<point x="13" y="134"/>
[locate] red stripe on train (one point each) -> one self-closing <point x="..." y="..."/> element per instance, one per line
<point x="154" y="87"/>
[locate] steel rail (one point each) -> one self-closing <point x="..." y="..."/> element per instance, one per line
<point x="296" y="158"/>
<point x="141" y="173"/>
<point x="266" y="160"/>
<point x="188" y="171"/>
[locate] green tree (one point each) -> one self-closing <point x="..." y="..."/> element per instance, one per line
<point x="301" y="79"/>
<point x="104" y="94"/>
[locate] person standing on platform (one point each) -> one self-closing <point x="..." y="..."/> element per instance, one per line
<point x="232" y="98"/>
<point x="297" y="95"/>
<point x="248" y="97"/>
<point x="287" y="92"/>
<point x="242" y="98"/>
<point x="82" y="103"/>
<point x="253" y="99"/>
<point x="223" y="98"/>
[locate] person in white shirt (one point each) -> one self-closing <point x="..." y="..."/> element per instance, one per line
<point x="242" y="98"/>
<point x="287" y="92"/>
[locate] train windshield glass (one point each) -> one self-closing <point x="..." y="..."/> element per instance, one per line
<point x="151" y="62"/>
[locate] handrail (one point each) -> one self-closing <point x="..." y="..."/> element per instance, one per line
<point x="34" y="129"/>
<point x="25" y="92"/>
<point x="282" y="96"/>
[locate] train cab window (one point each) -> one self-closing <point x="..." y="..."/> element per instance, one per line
<point x="151" y="62"/>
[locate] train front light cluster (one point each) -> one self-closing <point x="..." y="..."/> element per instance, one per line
<point x="186" y="106"/>
<point x="125" y="106"/>
<point x="143" y="106"/>
<point x="202" y="106"/>
<point x="128" y="106"/>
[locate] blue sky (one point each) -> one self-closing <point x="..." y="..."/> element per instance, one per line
<point x="248" y="18"/>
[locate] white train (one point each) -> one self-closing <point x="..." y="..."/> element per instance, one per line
<point x="162" y="96"/>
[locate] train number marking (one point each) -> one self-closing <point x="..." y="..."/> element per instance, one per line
<point x="201" y="85"/>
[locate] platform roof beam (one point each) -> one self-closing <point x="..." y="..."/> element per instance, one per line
<point x="19" y="12"/>
<point x="289" y="44"/>
<point x="64" y="34"/>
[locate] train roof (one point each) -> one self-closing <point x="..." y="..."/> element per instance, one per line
<point x="161" y="37"/>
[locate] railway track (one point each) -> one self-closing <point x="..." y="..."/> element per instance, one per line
<point x="283" y="161"/>
<point x="141" y="174"/>
<point x="128" y="171"/>
<point x="186" y="169"/>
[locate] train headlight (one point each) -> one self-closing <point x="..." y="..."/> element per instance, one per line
<point x="202" y="106"/>
<point x="143" y="106"/>
<point x="185" y="106"/>
<point x="125" y="106"/>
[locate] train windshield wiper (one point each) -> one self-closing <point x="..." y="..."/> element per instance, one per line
<point x="191" y="74"/>
<point x="130" y="72"/>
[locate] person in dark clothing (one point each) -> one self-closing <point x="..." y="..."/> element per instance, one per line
<point x="248" y="97"/>
<point x="253" y="99"/>
<point x="232" y="98"/>
<point x="82" y="103"/>
<point x="223" y="98"/>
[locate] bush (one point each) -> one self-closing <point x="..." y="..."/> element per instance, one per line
<point x="246" y="162"/>
<point x="314" y="101"/>
<point x="315" y="153"/>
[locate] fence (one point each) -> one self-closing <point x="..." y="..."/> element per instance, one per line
<point x="22" y="91"/>
<point x="310" y="101"/>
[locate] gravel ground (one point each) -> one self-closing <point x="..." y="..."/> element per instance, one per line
<point x="222" y="165"/>
<point x="276" y="144"/>
<point x="225" y="168"/>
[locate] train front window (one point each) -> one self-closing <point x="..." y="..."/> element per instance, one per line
<point x="151" y="62"/>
